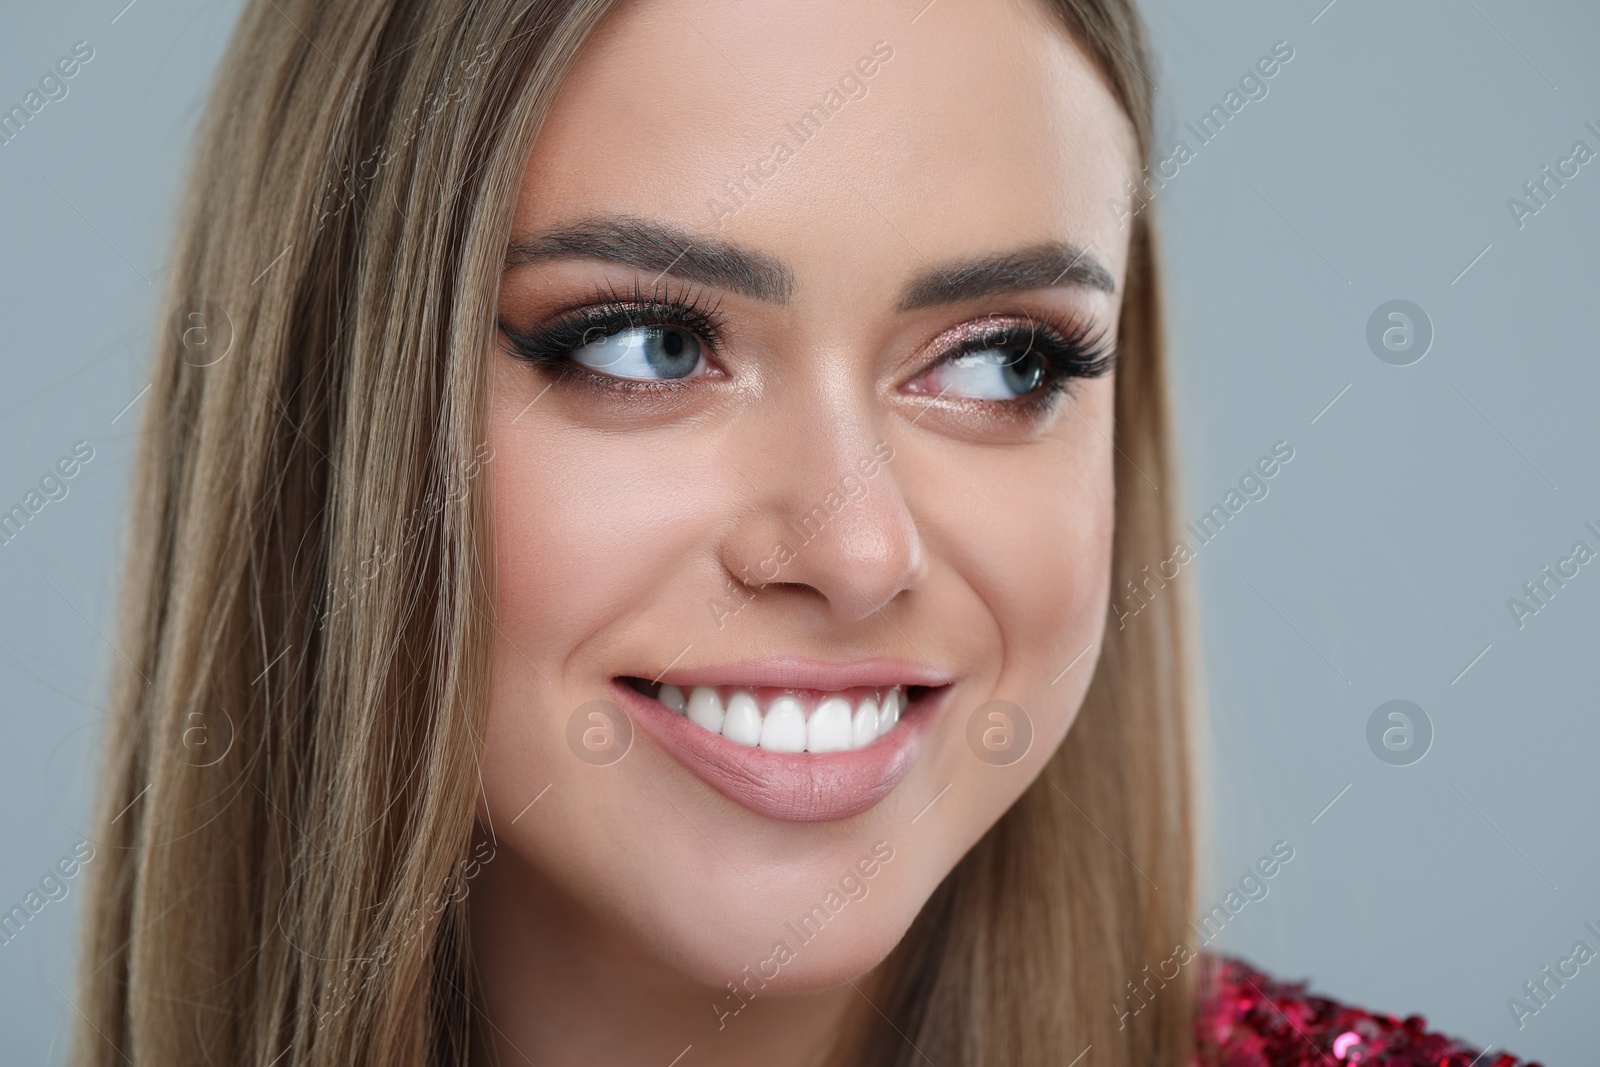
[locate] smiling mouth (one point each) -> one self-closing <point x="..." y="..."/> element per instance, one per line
<point x="788" y="720"/>
<point x="791" y="738"/>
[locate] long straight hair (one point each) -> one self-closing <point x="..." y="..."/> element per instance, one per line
<point x="287" y="800"/>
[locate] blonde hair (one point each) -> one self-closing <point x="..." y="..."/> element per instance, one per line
<point x="307" y="593"/>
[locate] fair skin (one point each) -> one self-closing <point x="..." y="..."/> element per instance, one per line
<point x="971" y="564"/>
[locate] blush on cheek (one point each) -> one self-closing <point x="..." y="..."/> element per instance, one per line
<point x="567" y="557"/>
<point x="1059" y="599"/>
<point x="593" y="530"/>
<point x="1050" y="567"/>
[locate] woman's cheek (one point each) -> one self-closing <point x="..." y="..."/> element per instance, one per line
<point x="1040" y="565"/>
<point x="1048" y="574"/>
<point x="571" y="549"/>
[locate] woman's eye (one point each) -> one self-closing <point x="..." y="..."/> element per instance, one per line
<point x="990" y="374"/>
<point x="644" y="353"/>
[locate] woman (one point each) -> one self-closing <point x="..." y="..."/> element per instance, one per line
<point x="634" y="588"/>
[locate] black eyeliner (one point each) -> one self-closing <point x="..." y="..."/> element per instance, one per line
<point x="1069" y="351"/>
<point x="1068" y="348"/>
<point x="550" y="343"/>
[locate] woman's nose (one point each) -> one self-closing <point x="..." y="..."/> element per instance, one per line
<point x="828" y="521"/>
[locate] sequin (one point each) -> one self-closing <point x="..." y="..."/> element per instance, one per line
<point x="1250" y="1020"/>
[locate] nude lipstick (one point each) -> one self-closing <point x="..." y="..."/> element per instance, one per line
<point x="792" y="739"/>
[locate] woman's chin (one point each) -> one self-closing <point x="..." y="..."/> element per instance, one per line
<point x="780" y="963"/>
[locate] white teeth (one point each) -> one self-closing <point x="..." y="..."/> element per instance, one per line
<point x="889" y="713"/>
<point x="829" y="728"/>
<point x="705" y="708"/>
<point x="785" y="727"/>
<point x="743" y="723"/>
<point x="864" y="728"/>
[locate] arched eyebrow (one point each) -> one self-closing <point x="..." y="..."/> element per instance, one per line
<point x="1041" y="266"/>
<point x="653" y="246"/>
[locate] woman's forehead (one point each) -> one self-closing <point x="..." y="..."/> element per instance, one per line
<point x="840" y="138"/>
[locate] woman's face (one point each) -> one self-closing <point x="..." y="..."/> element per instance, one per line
<point x="801" y="433"/>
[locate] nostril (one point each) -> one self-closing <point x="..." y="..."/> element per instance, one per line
<point x="799" y="587"/>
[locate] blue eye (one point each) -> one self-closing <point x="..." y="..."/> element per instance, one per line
<point x="642" y="353"/>
<point x="1024" y="364"/>
<point x="623" y="343"/>
<point x="991" y="374"/>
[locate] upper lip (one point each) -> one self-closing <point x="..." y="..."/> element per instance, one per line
<point x="799" y="672"/>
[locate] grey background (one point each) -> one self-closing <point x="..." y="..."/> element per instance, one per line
<point x="1378" y="167"/>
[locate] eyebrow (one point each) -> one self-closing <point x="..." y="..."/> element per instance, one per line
<point x="1041" y="266"/>
<point x="654" y="246"/>
<point x="648" y="245"/>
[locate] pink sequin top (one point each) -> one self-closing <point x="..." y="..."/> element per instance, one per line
<point x="1251" y="1020"/>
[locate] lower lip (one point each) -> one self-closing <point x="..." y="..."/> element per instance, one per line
<point x="789" y="786"/>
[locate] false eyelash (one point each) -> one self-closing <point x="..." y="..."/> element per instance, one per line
<point x="611" y="312"/>
<point x="1071" y="348"/>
